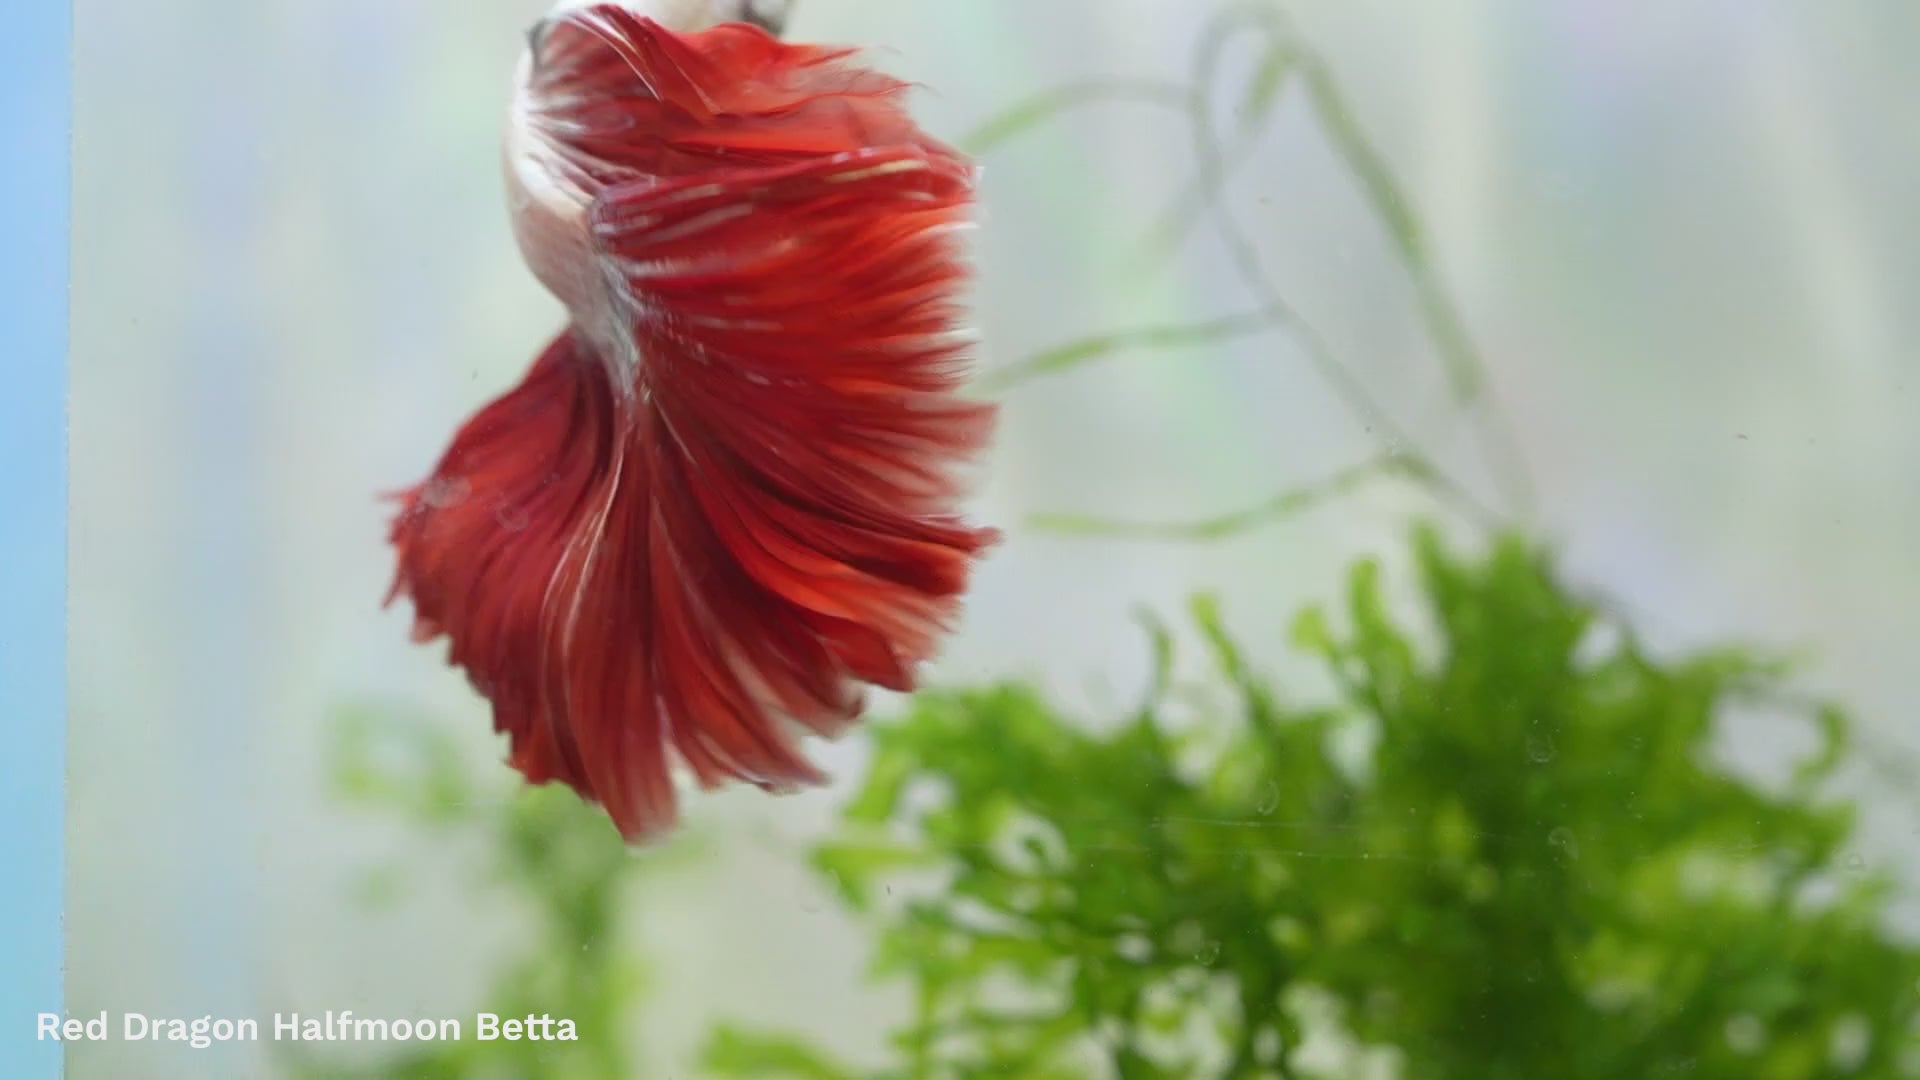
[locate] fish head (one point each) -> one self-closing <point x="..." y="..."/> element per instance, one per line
<point x="689" y="16"/>
<point x="551" y="180"/>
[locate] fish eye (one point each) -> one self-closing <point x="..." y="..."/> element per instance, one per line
<point x="768" y="15"/>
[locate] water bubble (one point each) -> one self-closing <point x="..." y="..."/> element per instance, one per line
<point x="511" y="518"/>
<point x="1562" y="840"/>
<point x="1269" y="798"/>
<point x="445" y="492"/>
<point x="1856" y="864"/>
<point x="1208" y="954"/>
<point x="1540" y="748"/>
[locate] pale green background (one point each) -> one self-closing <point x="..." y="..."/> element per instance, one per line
<point x="1682" y="231"/>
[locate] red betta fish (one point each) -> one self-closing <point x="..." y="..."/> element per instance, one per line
<point x="725" y="499"/>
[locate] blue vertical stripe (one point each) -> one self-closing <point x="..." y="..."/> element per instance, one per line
<point x="35" y="114"/>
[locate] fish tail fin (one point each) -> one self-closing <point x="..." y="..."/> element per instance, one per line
<point x="609" y="652"/>
<point x="491" y="547"/>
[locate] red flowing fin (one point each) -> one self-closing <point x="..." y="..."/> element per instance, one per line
<point x="479" y="543"/>
<point x="802" y="434"/>
<point x="623" y="97"/>
<point x="721" y="553"/>
<point x="694" y="566"/>
<point x="528" y="549"/>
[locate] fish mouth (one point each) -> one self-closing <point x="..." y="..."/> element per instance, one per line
<point x="771" y="16"/>
<point x="768" y="15"/>
<point x="537" y="38"/>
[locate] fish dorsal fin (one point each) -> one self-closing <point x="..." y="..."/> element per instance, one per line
<point x="625" y="98"/>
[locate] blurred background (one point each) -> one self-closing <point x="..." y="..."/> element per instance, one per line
<point x="1681" y="234"/>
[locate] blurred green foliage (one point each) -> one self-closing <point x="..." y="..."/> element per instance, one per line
<point x="555" y="856"/>
<point x="1506" y="852"/>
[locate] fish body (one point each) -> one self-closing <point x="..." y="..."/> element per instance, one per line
<point x="725" y="498"/>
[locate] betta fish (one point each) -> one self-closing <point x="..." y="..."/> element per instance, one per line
<point x="724" y="500"/>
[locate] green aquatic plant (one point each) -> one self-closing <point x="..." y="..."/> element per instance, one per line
<point x="1505" y="849"/>
<point x="1288" y="64"/>
<point x="543" y="848"/>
